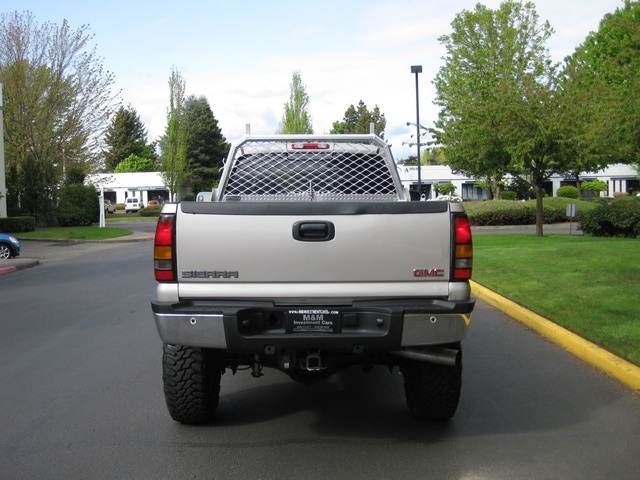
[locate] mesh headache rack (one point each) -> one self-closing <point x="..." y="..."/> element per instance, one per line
<point x="311" y="168"/>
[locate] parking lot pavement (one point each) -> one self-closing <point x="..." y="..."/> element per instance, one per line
<point x="34" y="251"/>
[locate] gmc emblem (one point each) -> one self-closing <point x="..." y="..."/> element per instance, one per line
<point x="428" y="272"/>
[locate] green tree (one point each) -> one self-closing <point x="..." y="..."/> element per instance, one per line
<point x="75" y="174"/>
<point x="447" y="188"/>
<point x="173" y="161"/>
<point x="296" y="118"/>
<point x="206" y="147"/>
<point x="604" y="75"/>
<point x="595" y="186"/>
<point x="134" y="163"/>
<point x="411" y="160"/>
<point x="434" y="156"/>
<point x="126" y="135"/>
<point x="497" y="93"/>
<point x="57" y="104"/>
<point x="358" y="120"/>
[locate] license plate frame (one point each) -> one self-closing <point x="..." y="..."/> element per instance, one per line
<point x="313" y="320"/>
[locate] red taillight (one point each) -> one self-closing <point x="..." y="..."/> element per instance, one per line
<point x="463" y="249"/>
<point x="163" y="252"/>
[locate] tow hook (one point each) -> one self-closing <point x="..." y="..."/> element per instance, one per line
<point x="314" y="362"/>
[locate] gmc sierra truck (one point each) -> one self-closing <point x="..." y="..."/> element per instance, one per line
<point x="310" y="258"/>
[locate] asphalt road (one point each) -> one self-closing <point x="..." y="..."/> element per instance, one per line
<point x="81" y="397"/>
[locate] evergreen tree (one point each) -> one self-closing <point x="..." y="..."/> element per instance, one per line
<point x="206" y="147"/>
<point x="126" y="135"/>
<point x="358" y="120"/>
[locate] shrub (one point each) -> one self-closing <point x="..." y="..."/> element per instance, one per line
<point x="555" y="209"/>
<point x="150" y="211"/>
<point x="568" y="192"/>
<point x="508" y="195"/>
<point x="508" y="212"/>
<point x="445" y="188"/>
<point x="617" y="218"/>
<point x="594" y="186"/>
<point x="17" y="224"/>
<point x="501" y="212"/>
<point x="78" y="205"/>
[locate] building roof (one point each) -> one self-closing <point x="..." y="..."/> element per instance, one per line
<point x="130" y="181"/>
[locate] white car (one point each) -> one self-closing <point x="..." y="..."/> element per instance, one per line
<point x="132" y="204"/>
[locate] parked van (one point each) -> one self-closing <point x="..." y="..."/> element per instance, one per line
<point x="133" y="204"/>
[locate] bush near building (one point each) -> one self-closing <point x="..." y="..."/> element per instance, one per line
<point x="568" y="191"/>
<point x="613" y="218"/>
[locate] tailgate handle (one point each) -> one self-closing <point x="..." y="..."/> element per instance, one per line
<point x="313" y="231"/>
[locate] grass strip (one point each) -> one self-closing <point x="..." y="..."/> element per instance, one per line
<point x="74" y="233"/>
<point x="587" y="285"/>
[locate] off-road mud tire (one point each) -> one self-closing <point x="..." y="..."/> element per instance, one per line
<point x="432" y="391"/>
<point x="191" y="378"/>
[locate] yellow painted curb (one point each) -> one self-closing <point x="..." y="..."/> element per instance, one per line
<point x="626" y="372"/>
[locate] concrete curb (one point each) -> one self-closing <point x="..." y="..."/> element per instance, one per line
<point x="624" y="371"/>
<point x="19" y="264"/>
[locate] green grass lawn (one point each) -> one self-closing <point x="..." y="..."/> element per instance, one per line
<point x="74" y="233"/>
<point x="585" y="284"/>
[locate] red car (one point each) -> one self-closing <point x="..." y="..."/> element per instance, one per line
<point x="153" y="203"/>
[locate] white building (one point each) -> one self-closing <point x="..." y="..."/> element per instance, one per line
<point x="117" y="187"/>
<point x="619" y="178"/>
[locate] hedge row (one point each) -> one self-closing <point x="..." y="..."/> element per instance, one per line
<point x="603" y="217"/>
<point x="17" y="224"/>
<point x="150" y="211"/>
<point x="507" y="212"/>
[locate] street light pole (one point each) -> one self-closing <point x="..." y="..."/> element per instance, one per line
<point x="418" y="69"/>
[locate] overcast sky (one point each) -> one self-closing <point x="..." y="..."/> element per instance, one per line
<point x="241" y="54"/>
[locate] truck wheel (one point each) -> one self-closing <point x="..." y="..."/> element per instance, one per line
<point x="432" y="390"/>
<point x="191" y="378"/>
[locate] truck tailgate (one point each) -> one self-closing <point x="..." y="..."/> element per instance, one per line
<point x="337" y="243"/>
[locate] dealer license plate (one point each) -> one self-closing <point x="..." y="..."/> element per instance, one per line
<point x="313" y="321"/>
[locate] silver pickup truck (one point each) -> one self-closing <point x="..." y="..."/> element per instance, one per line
<point x="310" y="258"/>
